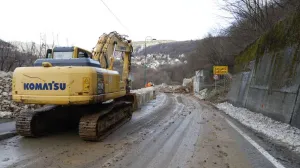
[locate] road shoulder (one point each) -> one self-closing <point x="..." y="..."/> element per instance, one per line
<point x="216" y="147"/>
<point x="283" y="155"/>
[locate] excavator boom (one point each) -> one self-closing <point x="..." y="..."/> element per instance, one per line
<point x="105" y="49"/>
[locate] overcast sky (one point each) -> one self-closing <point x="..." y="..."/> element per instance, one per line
<point x="81" y="22"/>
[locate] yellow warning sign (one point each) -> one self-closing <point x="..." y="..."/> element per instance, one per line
<point x="220" y="70"/>
<point x="86" y="84"/>
<point x="86" y="80"/>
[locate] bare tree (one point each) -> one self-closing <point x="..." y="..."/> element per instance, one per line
<point x="252" y="18"/>
<point x="255" y="17"/>
<point x="261" y="14"/>
<point x="43" y="46"/>
<point x="16" y="54"/>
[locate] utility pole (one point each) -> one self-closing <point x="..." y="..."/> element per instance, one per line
<point x="53" y="40"/>
<point x="145" y="63"/>
<point x="57" y="40"/>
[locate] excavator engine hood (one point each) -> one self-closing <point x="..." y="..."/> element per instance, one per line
<point x="53" y="85"/>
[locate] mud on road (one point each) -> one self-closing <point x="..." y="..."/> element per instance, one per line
<point x="171" y="131"/>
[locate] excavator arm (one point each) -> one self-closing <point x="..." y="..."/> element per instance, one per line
<point x="105" y="48"/>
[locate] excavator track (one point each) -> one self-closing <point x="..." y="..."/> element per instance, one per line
<point x="25" y="124"/>
<point x="94" y="121"/>
<point x="97" y="126"/>
<point x="39" y="122"/>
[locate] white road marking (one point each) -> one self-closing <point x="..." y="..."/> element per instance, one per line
<point x="275" y="162"/>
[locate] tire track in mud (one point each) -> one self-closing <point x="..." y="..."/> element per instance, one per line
<point x="156" y="136"/>
<point x="49" y="155"/>
<point x="152" y="118"/>
<point x="136" y="132"/>
<point x="159" y="148"/>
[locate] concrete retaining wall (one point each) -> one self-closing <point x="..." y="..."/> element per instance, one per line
<point x="233" y="93"/>
<point x="281" y="105"/>
<point x="278" y="105"/>
<point x="268" y="90"/>
<point x="239" y="89"/>
<point x="144" y="95"/>
<point x="202" y="80"/>
<point x="273" y="87"/>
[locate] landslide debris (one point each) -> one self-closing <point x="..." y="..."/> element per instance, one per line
<point x="8" y="108"/>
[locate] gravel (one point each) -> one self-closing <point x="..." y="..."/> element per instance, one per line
<point x="8" y="108"/>
<point x="279" y="132"/>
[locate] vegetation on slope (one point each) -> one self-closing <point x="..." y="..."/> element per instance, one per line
<point x="282" y="44"/>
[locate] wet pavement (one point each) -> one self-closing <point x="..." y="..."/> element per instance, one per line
<point x="7" y="126"/>
<point x="4" y="120"/>
<point x="171" y="131"/>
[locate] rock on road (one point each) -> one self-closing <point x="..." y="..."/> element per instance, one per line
<point x="171" y="131"/>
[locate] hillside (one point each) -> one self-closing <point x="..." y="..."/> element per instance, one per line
<point x="171" y="48"/>
<point x="161" y="53"/>
<point x="140" y="45"/>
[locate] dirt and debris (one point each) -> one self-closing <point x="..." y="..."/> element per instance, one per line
<point x="186" y="87"/>
<point x="8" y="108"/>
<point x="216" y="93"/>
<point x="164" y="88"/>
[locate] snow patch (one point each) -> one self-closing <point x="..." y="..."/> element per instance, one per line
<point x="5" y="114"/>
<point x="279" y="132"/>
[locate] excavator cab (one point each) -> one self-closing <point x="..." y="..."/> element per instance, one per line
<point x="67" y="53"/>
<point x="49" y="53"/>
<point x="67" y="56"/>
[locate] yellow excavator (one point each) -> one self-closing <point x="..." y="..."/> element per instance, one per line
<point x="78" y="88"/>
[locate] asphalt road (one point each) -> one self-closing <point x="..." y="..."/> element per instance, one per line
<point x="171" y="131"/>
<point x="7" y="126"/>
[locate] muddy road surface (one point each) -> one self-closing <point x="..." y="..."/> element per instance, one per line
<point x="171" y="131"/>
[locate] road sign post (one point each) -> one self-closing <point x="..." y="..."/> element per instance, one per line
<point x="224" y="82"/>
<point x="220" y="70"/>
<point x="216" y="77"/>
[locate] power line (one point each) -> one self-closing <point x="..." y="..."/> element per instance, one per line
<point x="115" y="16"/>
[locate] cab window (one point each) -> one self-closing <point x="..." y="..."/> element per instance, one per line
<point x="63" y="55"/>
<point x="83" y="54"/>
